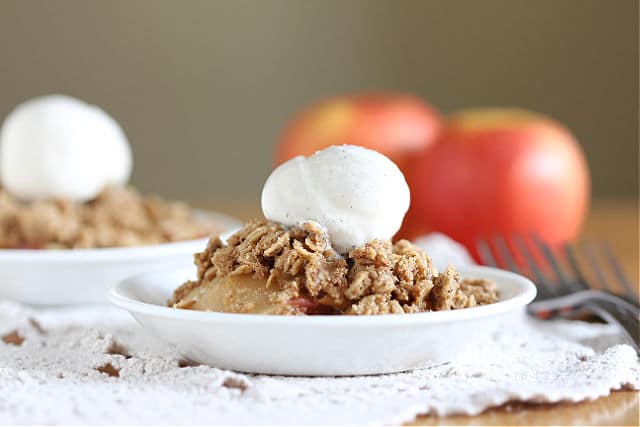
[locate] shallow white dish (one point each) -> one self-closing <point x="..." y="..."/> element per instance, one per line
<point x="319" y="345"/>
<point x="73" y="276"/>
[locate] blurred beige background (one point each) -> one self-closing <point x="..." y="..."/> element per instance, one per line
<point x="202" y="88"/>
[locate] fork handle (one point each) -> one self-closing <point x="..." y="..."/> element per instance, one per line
<point x="609" y="307"/>
<point x="614" y="315"/>
<point x="579" y="298"/>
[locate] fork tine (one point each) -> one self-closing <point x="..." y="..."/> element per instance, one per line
<point x="570" y="253"/>
<point x="485" y="253"/>
<point x="619" y="272"/>
<point x="563" y="281"/>
<point x="541" y="282"/>
<point x="504" y="252"/>
<point x="590" y="253"/>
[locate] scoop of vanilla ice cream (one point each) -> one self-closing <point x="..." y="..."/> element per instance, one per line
<point x="58" y="146"/>
<point x="356" y="193"/>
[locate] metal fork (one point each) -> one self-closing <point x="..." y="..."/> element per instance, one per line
<point x="571" y="292"/>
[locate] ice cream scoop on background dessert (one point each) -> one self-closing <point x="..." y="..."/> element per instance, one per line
<point x="59" y="146"/>
<point x="325" y="248"/>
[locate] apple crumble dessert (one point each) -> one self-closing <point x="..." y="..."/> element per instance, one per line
<point x="325" y="248"/>
<point x="269" y="269"/>
<point x="118" y="216"/>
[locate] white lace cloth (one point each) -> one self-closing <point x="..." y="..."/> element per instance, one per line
<point x="53" y="377"/>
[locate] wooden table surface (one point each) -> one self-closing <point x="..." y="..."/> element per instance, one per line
<point x="615" y="222"/>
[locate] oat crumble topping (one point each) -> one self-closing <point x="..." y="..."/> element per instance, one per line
<point x="118" y="216"/>
<point x="306" y="275"/>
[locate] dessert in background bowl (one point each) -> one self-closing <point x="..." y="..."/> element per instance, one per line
<point x="64" y="168"/>
<point x="70" y="226"/>
<point x="326" y="248"/>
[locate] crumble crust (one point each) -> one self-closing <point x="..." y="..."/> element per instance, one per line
<point x="307" y="275"/>
<point x="118" y="216"/>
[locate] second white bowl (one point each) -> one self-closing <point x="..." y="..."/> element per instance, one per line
<point x="74" y="276"/>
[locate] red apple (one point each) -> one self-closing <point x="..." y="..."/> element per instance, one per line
<point x="395" y="124"/>
<point x="499" y="171"/>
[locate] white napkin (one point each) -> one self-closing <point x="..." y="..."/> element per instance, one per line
<point x="53" y="376"/>
<point x="443" y="250"/>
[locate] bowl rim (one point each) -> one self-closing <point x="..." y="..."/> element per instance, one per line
<point x="120" y="295"/>
<point x="132" y="253"/>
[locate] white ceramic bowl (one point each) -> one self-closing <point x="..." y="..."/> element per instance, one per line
<point x="319" y="345"/>
<point x="73" y="276"/>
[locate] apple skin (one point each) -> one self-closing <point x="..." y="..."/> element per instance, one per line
<point x="499" y="172"/>
<point x="395" y="124"/>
